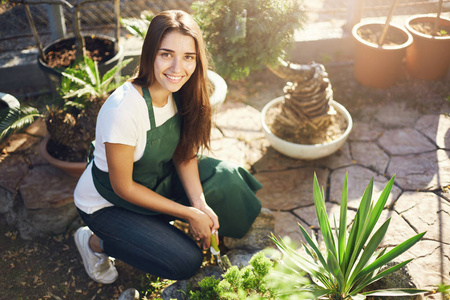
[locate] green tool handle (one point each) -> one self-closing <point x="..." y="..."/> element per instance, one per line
<point x="214" y="245"/>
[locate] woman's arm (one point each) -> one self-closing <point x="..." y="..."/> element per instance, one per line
<point x="120" y="165"/>
<point x="190" y="178"/>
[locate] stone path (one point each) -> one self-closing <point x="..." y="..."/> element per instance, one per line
<point x="398" y="140"/>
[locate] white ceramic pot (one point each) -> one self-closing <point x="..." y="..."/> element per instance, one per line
<point x="307" y="152"/>
<point x="220" y="90"/>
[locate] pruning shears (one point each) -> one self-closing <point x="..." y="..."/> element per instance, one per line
<point x="222" y="261"/>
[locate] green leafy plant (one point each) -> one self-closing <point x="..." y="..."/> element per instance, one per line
<point x="246" y="35"/>
<point x="72" y="126"/>
<point x="16" y="119"/>
<point x="255" y="281"/>
<point x="349" y="263"/>
<point x="138" y="26"/>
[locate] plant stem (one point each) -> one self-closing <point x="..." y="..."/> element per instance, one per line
<point x="386" y="25"/>
<point x="436" y="23"/>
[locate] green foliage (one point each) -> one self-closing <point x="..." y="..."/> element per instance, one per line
<point x="15" y="119"/>
<point x="82" y="82"/>
<point x="349" y="263"/>
<point x="138" y="27"/>
<point x="243" y="36"/>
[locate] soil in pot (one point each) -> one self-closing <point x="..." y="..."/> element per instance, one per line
<point x="372" y="33"/>
<point x="65" y="153"/>
<point x="62" y="54"/>
<point x="428" y="28"/>
<point x="331" y="129"/>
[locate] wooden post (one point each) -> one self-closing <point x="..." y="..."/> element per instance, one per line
<point x="56" y="21"/>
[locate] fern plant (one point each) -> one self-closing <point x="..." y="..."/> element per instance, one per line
<point x="349" y="262"/>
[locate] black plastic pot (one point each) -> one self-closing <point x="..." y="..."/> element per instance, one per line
<point x="93" y="43"/>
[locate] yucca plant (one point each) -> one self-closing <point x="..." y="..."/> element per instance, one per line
<point x="349" y="262"/>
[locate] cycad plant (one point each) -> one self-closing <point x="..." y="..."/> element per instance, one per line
<point x="72" y="127"/>
<point x="349" y="262"/>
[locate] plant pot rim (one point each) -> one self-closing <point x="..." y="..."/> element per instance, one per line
<point x="407" y="43"/>
<point x="312" y="149"/>
<point x="10" y="100"/>
<point x="420" y="34"/>
<point x="74" y="169"/>
<point x="119" y="53"/>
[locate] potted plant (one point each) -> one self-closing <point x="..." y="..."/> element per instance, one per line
<point x="60" y="54"/>
<point x="379" y="51"/>
<point x="71" y="127"/>
<point x="428" y="57"/>
<point x="13" y="116"/>
<point x="244" y="36"/>
<point x="345" y="264"/>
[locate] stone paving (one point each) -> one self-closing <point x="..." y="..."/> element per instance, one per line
<point x="400" y="139"/>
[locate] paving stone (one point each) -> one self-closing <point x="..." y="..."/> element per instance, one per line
<point x="289" y="189"/>
<point x="437" y="128"/>
<point x="425" y="171"/>
<point x="338" y="159"/>
<point x="396" y="115"/>
<point x="47" y="187"/>
<point x="275" y="161"/>
<point x="365" y="132"/>
<point x="430" y="265"/>
<point x="369" y="155"/>
<point x="286" y="224"/>
<point x="38" y="128"/>
<point x="6" y="200"/>
<point x="357" y="180"/>
<point x="240" y="121"/>
<point x="426" y="212"/>
<point x="20" y="142"/>
<point x="405" y="141"/>
<point x="12" y="169"/>
<point x="230" y="150"/>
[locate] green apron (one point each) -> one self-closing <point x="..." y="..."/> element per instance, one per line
<point x="229" y="189"/>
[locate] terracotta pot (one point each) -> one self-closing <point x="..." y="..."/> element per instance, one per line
<point x="74" y="169"/>
<point x="300" y="151"/>
<point x="379" y="66"/>
<point x="429" y="56"/>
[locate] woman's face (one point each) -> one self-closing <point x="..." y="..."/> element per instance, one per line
<point x="175" y="61"/>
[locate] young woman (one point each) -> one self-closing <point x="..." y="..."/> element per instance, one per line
<point x="146" y="171"/>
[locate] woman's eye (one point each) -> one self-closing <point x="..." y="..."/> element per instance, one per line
<point x="190" y="57"/>
<point x="166" y="54"/>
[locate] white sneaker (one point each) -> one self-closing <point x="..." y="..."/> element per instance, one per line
<point x="97" y="265"/>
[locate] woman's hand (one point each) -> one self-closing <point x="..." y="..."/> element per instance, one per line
<point x="200" y="225"/>
<point x="215" y="227"/>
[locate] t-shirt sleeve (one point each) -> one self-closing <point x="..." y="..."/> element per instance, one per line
<point x="118" y="126"/>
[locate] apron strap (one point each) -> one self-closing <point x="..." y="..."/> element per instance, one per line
<point x="148" y="99"/>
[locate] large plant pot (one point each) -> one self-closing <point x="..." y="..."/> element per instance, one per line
<point x="220" y="90"/>
<point x="74" y="169"/>
<point x="379" y="66"/>
<point x="93" y="43"/>
<point x="307" y="152"/>
<point x="429" y="56"/>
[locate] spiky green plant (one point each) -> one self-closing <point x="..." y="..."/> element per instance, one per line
<point x="350" y="262"/>
<point x="138" y="26"/>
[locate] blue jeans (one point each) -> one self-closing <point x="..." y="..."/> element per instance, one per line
<point x="149" y="243"/>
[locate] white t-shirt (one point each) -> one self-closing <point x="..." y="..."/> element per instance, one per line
<point x="123" y="119"/>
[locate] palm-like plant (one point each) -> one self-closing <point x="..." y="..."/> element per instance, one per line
<point x="16" y="119"/>
<point x="350" y="262"/>
<point x="84" y="91"/>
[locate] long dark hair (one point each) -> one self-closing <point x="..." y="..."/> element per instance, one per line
<point x="195" y="105"/>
